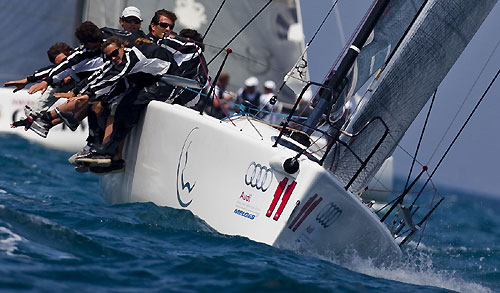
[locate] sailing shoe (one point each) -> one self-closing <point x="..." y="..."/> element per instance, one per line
<point x="115" y="167"/>
<point x="93" y="160"/>
<point x="29" y="112"/>
<point x="40" y="127"/>
<point x="83" y="152"/>
<point x="68" y="118"/>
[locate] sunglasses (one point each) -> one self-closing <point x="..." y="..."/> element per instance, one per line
<point x="132" y="20"/>
<point x="110" y="56"/>
<point x="166" y="25"/>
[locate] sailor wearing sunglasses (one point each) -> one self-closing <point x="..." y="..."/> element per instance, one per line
<point x="162" y="25"/>
<point x="131" y="19"/>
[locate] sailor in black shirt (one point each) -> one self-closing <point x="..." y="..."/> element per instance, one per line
<point x="142" y="66"/>
<point x="187" y="49"/>
<point x="162" y="25"/>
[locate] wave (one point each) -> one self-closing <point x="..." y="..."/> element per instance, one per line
<point x="58" y="240"/>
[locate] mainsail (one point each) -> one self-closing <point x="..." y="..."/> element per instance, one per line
<point x="384" y="37"/>
<point x="435" y="41"/>
<point x="268" y="48"/>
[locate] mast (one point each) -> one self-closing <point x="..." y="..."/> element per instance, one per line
<point x="336" y="79"/>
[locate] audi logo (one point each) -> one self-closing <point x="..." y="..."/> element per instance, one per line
<point x="259" y="176"/>
<point x="328" y="215"/>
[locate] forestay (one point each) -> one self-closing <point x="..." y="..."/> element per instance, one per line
<point x="433" y="44"/>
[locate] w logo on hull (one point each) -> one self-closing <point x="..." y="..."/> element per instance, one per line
<point x="328" y="215"/>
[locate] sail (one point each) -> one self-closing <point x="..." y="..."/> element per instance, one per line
<point x="268" y="48"/>
<point x="30" y="30"/>
<point x="386" y="34"/>
<point x="433" y="44"/>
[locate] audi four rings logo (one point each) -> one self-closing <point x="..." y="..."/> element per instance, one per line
<point x="259" y="176"/>
<point x="328" y="215"/>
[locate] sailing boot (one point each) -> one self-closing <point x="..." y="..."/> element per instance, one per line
<point x="83" y="152"/>
<point x="41" y="127"/>
<point x="99" y="156"/>
<point x="68" y="118"/>
<point x="116" y="166"/>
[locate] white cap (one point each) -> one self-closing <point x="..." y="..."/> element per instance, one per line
<point x="251" y="81"/>
<point x="132" y="11"/>
<point x="270" y="85"/>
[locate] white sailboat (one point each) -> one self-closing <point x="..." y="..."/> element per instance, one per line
<point x="61" y="137"/>
<point x="244" y="177"/>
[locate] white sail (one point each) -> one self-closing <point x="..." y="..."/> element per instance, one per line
<point x="384" y="38"/>
<point x="435" y="41"/>
<point x="268" y="48"/>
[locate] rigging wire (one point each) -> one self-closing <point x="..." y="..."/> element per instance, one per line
<point x="463" y="102"/>
<point x="347" y="45"/>
<point x="302" y="56"/>
<point x="240" y="31"/>
<point x="420" y="139"/>
<point x="425" y="223"/>
<point x="251" y="60"/>
<point x="457" y="135"/>
<point x="213" y="19"/>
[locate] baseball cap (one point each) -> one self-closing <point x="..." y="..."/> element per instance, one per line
<point x="132" y="11"/>
<point x="270" y="85"/>
<point x="252" y="81"/>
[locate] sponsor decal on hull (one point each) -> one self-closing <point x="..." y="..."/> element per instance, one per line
<point x="245" y="197"/>
<point x="185" y="187"/>
<point x="277" y="195"/>
<point x="304" y="212"/>
<point x="244" y="203"/>
<point x="259" y="176"/>
<point x="329" y="215"/>
<point x="244" y="214"/>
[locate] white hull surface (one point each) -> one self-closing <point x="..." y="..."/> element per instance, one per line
<point x="233" y="179"/>
<point x="60" y="137"/>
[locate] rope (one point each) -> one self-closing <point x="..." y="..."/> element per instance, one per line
<point x="458" y="134"/>
<point x="240" y="31"/>
<point x="213" y="19"/>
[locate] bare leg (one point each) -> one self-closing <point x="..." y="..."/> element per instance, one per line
<point x="109" y="129"/>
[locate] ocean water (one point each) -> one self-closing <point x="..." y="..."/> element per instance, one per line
<point x="57" y="234"/>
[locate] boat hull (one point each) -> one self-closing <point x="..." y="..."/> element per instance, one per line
<point x="232" y="178"/>
<point x="60" y="137"/>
